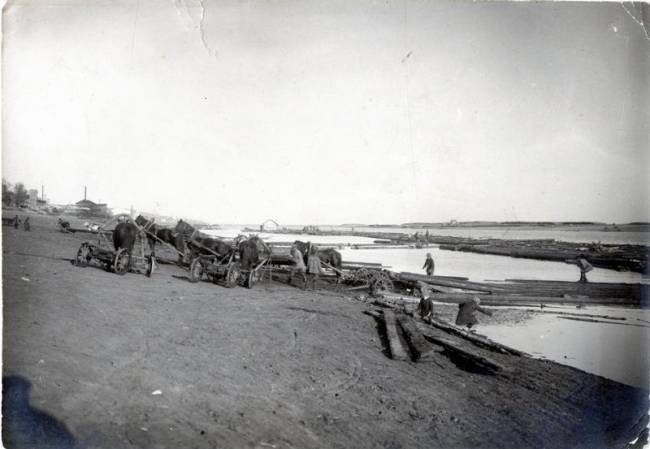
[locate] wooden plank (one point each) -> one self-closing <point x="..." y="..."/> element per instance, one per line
<point x="466" y="353"/>
<point x="397" y="350"/>
<point x="420" y="347"/>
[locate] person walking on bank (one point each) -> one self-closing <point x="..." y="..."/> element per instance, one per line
<point x="584" y="265"/>
<point x="314" y="268"/>
<point x="466" y="311"/>
<point x="429" y="265"/>
<point x="298" y="265"/>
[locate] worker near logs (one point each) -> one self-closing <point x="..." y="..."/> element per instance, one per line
<point x="298" y="265"/>
<point x="429" y="265"/>
<point x="584" y="265"/>
<point x="314" y="268"/>
<point x="426" y="304"/>
<point x="466" y="312"/>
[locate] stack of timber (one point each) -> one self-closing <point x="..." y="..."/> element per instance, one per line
<point x="411" y="339"/>
<point x="525" y="293"/>
<point x="615" y="257"/>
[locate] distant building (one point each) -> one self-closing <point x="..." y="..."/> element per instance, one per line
<point x="32" y="201"/>
<point x="269" y="225"/>
<point x="88" y="208"/>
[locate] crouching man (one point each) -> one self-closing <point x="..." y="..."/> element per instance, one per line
<point x="466" y="312"/>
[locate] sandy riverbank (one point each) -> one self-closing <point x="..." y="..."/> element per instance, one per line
<point x="274" y="366"/>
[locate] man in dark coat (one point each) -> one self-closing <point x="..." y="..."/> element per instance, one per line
<point x="426" y="304"/>
<point x="466" y="311"/>
<point x="429" y="265"/>
<point x="584" y="265"/>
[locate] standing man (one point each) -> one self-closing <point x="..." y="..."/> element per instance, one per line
<point x="584" y="265"/>
<point x="26" y="225"/>
<point x="429" y="265"/>
<point x="313" y="266"/>
<point x="298" y="265"/>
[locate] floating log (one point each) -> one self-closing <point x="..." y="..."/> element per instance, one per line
<point x="479" y="340"/>
<point x="464" y="285"/>
<point x="500" y="299"/>
<point x="397" y="350"/>
<point x="590" y="320"/>
<point x="592" y="289"/>
<point x="420" y="348"/>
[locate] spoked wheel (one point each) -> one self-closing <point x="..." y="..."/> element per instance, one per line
<point x="196" y="270"/>
<point x="83" y="255"/>
<point x="232" y="275"/>
<point x="253" y="278"/>
<point x="151" y="265"/>
<point x="121" y="261"/>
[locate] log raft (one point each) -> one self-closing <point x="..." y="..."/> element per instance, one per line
<point x="610" y="256"/>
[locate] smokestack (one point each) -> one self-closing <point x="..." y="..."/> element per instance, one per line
<point x="42" y="192"/>
<point x="84" y="192"/>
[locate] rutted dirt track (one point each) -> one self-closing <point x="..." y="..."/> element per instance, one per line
<point x="269" y="367"/>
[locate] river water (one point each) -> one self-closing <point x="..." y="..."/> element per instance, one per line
<point x="613" y="350"/>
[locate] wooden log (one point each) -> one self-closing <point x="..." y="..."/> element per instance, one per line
<point x="590" y="320"/>
<point x="420" y="348"/>
<point x="397" y="350"/>
<point x="477" y="339"/>
<point x="368" y="264"/>
<point x="464" y="285"/>
<point x="516" y="299"/>
<point x="466" y="353"/>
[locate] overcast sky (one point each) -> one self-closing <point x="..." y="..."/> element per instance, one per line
<point x="332" y="112"/>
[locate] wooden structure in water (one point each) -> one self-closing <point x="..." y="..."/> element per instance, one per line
<point x="622" y="257"/>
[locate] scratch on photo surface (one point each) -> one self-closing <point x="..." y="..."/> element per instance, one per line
<point x="640" y="22"/>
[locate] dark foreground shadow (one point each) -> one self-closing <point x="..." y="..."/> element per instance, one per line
<point x="27" y="427"/>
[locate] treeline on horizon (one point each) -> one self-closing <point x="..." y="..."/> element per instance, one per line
<point x="504" y="224"/>
<point x="15" y="195"/>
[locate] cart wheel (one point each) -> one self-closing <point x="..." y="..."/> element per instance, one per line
<point x="121" y="261"/>
<point x="196" y="270"/>
<point x="233" y="274"/>
<point x="252" y="278"/>
<point x="151" y="266"/>
<point x="83" y="255"/>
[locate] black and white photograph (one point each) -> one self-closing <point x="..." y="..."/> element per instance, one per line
<point x="281" y="224"/>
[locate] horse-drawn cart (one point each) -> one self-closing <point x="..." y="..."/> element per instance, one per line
<point x="225" y="270"/>
<point x="229" y="268"/>
<point x="119" y="262"/>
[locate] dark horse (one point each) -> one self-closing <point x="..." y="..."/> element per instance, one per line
<point x="251" y="251"/>
<point x="124" y="236"/>
<point x="190" y="238"/>
<point x="164" y="234"/>
<point x="329" y="256"/>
